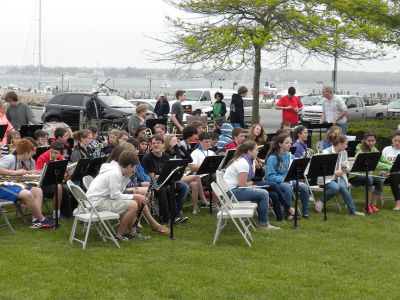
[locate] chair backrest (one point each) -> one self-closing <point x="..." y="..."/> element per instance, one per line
<point x="221" y="196"/>
<point x="84" y="204"/>
<point x="225" y="187"/>
<point x="87" y="180"/>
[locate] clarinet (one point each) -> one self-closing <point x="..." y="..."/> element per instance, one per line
<point x="149" y="195"/>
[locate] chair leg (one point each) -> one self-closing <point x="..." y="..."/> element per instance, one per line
<point x="6" y="220"/>
<point x="218" y="230"/>
<point x="73" y="231"/>
<point x="240" y="230"/>
<point x="111" y="236"/>
<point x="87" y="234"/>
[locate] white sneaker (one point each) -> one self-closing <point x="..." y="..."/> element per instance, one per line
<point x="291" y="211"/>
<point x="196" y="211"/>
<point x="359" y="214"/>
<point x="319" y="206"/>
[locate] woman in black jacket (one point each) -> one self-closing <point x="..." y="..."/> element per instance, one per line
<point x="237" y="109"/>
<point x="162" y="107"/>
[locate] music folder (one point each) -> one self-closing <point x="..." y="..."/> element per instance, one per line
<point x="227" y="158"/>
<point x="3" y="129"/>
<point x="50" y="170"/>
<point x="79" y="170"/>
<point x="170" y="166"/>
<point x="296" y="169"/>
<point x="29" y="130"/>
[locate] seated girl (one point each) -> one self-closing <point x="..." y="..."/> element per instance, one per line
<point x="391" y="153"/>
<point x="338" y="183"/>
<point x="301" y="136"/>
<point x="333" y="132"/>
<point x="368" y="145"/>
<point x="238" y="176"/>
<point x="278" y="163"/>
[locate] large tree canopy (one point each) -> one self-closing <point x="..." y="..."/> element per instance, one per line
<point x="232" y="34"/>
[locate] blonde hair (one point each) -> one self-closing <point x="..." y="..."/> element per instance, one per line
<point x="141" y="108"/>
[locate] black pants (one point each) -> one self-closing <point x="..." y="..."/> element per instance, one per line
<point x="394" y="181"/>
<point x="165" y="197"/>
<point x="68" y="204"/>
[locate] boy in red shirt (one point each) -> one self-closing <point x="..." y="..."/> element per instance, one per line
<point x="291" y="106"/>
<point x="239" y="135"/>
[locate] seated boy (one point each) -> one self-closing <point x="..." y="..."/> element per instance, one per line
<point x="107" y="193"/>
<point x="239" y="135"/>
<point x="112" y="141"/>
<point x="19" y="163"/>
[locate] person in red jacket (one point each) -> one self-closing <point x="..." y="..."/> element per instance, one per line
<point x="290" y="106"/>
<point x="56" y="148"/>
<point x="239" y="135"/>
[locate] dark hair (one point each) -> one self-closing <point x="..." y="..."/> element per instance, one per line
<point x="158" y="138"/>
<point x="214" y="136"/>
<point x="57" y="145"/>
<point x="134" y="142"/>
<point x="117" y="150"/>
<point x="188" y="132"/>
<point x="81" y="134"/>
<point x="242" y="90"/>
<point x="299" y="129"/>
<point x="364" y="146"/>
<point x="274" y="150"/>
<point x="221" y="96"/>
<point x="204" y="136"/>
<point x="340" y="139"/>
<point x="285" y="123"/>
<point x="179" y="93"/>
<point x="128" y="158"/>
<point x="40" y="133"/>
<point x="93" y="129"/>
<point x="237" y="130"/>
<point x="396" y="133"/>
<point x="11" y="96"/>
<point x="162" y="126"/>
<point x="139" y="129"/>
<point x="291" y="91"/>
<point x="243" y="148"/>
<point x="219" y="121"/>
<point x="59" y="132"/>
<point x="122" y="133"/>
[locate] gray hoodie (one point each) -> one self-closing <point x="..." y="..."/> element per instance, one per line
<point x="108" y="185"/>
<point x="22" y="114"/>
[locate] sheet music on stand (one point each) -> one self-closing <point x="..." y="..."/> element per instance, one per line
<point x="150" y="123"/>
<point x="29" y="130"/>
<point x="79" y="170"/>
<point x="3" y="129"/>
<point x="94" y="166"/>
<point x="395" y="169"/>
<point x="226" y="158"/>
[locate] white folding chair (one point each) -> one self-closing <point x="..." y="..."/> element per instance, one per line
<point x="316" y="188"/>
<point x="87" y="180"/>
<point x="4" y="203"/>
<point x="88" y="214"/>
<point x="238" y="216"/>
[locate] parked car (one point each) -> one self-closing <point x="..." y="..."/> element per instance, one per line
<point x="150" y="103"/>
<point x="356" y="110"/>
<point x="66" y="107"/>
<point x="203" y="97"/>
<point x="394" y="108"/>
<point x="310" y="100"/>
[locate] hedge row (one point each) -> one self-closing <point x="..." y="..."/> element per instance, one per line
<point x="383" y="129"/>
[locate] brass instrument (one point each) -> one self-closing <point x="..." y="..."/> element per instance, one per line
<point x="310" y="153"/>
<point x="20" y="180"/>
<point x="71" y="166"/>
<point x="148" y="133"/>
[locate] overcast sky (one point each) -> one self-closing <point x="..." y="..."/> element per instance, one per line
<point x="102" y="33"/>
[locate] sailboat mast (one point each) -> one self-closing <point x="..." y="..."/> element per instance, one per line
<point x="40" y="44"/>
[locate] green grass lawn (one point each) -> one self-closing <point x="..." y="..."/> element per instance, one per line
<point x="344" y="258"/>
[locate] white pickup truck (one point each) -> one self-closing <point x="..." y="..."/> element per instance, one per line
<point x="356" y="110"/>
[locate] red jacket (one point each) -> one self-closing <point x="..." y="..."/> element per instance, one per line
<point x="45" y="158"/>
<point x="231" y="145"/>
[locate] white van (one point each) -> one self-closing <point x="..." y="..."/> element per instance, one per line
<point x="203" y="97"/>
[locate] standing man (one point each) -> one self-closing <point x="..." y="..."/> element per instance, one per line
<point x="237" y="108"/>
<point x="334" y="109"/>
<point x="19" y="113"/>
<point x="162" y="107"/>
<point x="93" y="110"/>
<point x="290" y="106"/>
<point x="177" y="111"/>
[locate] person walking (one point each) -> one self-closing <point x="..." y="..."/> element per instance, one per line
<point x="93" y="114"/>
<point x="19" y="113"/>
<point x="237" y="108"/>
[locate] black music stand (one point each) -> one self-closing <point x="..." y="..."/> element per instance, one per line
<point x="227" y="158"/>
<point x="366" y="162"/>
<point x="171" y="173"/>
<point x="293" y="150"/>
<point x="209" y="166"/>
<point x="3" y="130"/>
<point x="53" y="174"/>
<point x="150" y="123"/>
<point x="351" y="148"/>
<point x="319" y="126"/>
<point x="396" y="166"/>
<point x="94" y="166"/>
<point x="296" y="172"/>
<point x="29" y="130"/>
<point x="322" y="165"/>
<point x="40" y="151"/>
<point x="80" y="170"/>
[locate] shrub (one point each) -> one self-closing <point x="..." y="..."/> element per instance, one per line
<point x="383" y="129"/>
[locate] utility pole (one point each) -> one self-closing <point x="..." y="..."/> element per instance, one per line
<point x="40" y="43"/>
<point x="150" y="77"/>
<point x="334" y="74"/>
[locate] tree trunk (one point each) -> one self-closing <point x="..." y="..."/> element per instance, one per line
<point x="255" y="115"/>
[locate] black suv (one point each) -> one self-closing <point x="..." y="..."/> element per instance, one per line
<point x="66" y="108"/>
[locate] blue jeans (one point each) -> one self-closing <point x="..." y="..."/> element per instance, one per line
<point x="374" y="181"/>
<point x="261" y="197"/>
<point x="288" y="188"/>
<point x="182" y="189"/>
<point x="234" y="125"/>
<point x="277" y="198"/>
<point x="343" y="126"/>
<point x="332" y="188"/>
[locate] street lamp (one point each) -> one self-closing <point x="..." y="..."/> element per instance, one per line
<point x="211" y="81"/>
<point x="150" y="78"/>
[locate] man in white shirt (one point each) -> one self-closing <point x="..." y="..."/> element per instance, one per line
<point x="334" y="109"/>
